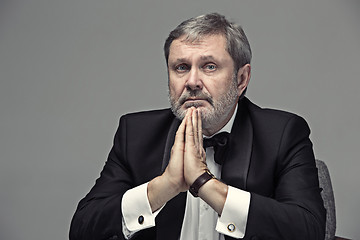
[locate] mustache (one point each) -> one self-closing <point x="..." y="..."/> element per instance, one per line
<point x="195" y="94"/>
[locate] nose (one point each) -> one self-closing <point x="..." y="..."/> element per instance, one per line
<point x="194" y="81"/>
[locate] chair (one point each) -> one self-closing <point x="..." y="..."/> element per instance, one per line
<point x="329" y="201"/>
<point x="328" y="198"/>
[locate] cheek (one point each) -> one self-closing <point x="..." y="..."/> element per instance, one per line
<point x="217" y="89"/>
<point x="176" y="88"/>
<point x="220" y="87"/>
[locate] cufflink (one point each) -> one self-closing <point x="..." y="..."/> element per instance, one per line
<point x="141" y="220"/>
<point x="231" y="227"/>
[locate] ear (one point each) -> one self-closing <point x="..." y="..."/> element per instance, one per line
<point x="243" y="78"/>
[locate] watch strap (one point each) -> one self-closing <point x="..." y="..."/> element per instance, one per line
<point x="199" y="182"/>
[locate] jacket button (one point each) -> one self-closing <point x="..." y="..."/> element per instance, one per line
<point x="141" y="219"/>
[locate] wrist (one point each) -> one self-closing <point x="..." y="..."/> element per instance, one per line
<point x="171" y="183"/>
<point x="200" y="181"/>
<point x="214" y="193"/>
<point x="159" y="192"/>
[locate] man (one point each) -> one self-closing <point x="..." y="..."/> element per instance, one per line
<point x="258" y="182"/>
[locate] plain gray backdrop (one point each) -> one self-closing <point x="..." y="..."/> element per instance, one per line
<point x="69" y="69"/>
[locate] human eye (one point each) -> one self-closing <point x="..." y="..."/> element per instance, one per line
<point x="181" y="68"/>
<point x="210" y="67"/>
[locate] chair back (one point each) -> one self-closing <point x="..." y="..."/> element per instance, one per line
<point x="328" y="198"/>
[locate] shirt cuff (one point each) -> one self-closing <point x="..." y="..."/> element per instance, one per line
<point x="233" y="219"/>
<point x="136" y="210"/>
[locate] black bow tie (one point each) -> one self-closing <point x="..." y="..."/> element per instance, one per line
<point x="219" y="142"/>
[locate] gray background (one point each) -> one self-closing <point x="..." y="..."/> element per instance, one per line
<point x="69" y="69"/>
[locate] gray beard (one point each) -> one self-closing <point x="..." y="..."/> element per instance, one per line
<point x="210" y="117"/>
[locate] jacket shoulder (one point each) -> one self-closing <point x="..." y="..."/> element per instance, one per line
<point x="276" y="123"/>
<point x="148" y="116"/>
<point x="151" y="124"/>
<point x="271" y="116"/>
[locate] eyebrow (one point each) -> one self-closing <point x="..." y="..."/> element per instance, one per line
<point x="203" y="58"/>
<point x="180" y="60"/>
<point x="207" y="58"/>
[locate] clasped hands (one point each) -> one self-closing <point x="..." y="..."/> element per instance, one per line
<point x="187" y="163"/>
<point x="188" y="157"/>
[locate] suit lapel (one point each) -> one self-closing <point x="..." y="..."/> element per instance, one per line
<point x="235" y="168"/>
<point x="169" y="220"/>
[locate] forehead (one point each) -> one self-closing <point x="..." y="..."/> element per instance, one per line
<point x="211" y="45"/>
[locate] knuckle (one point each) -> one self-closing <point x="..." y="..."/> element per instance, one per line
<point x="190" y="133"/>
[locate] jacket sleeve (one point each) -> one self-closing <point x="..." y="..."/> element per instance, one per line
<point x="296" y="210"/>
<point x="98" y="215"/>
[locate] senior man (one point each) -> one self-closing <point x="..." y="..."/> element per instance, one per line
<point x="215" y="166"/>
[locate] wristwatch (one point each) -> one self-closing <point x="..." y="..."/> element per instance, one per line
<point x="199" y="182"/>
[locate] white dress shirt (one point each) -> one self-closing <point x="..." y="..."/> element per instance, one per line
<point x="200" y="220"/>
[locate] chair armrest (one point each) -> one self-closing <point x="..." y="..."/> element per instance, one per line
<point x="340" y="238"/>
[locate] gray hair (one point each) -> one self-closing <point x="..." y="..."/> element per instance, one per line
<point x="211" y="24"/>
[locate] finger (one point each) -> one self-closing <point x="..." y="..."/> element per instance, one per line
<point x="189" y="131"/>
<point x="195" y="128"/>
<point x="180" y="137"/>
<point x="200" y="130"/>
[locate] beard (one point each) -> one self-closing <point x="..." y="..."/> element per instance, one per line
<point x="210" y="116"/>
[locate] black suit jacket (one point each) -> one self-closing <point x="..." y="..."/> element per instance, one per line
<point x="270" y="156"/>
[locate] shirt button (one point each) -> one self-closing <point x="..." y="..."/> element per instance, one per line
<point x="231" y="227"/>
<point x="141" y="219"/>
<point x="205" y="206"/>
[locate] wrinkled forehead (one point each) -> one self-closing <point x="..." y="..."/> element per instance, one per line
<point x="198" y="38"/>
<point x="206" y="45"/>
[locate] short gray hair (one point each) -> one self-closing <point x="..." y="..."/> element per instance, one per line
<point x="211" y="24"/>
